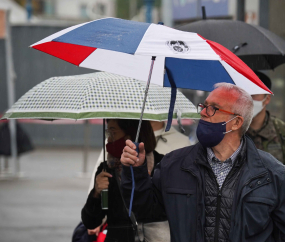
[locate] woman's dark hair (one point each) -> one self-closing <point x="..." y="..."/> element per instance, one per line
<point x="130" y="126"/>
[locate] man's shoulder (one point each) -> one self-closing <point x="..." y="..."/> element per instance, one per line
<point x="179" y="155"/>
<point x="271" y="163"/>
<point x="182" y="151"/>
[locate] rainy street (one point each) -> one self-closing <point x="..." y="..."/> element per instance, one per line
<point x="44" y="205"/>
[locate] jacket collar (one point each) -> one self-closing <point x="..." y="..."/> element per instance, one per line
<point x="254" y="161"/>
<point x="198" y="153"/>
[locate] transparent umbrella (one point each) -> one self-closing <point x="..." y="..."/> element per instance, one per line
<point x="97" y="96"/>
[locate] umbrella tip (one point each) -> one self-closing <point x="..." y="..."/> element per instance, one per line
<point x="160" y="23"/>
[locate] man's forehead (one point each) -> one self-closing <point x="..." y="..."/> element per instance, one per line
<point x="221" y="98"/>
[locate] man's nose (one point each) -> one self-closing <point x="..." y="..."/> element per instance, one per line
<point x="204" y="113"/>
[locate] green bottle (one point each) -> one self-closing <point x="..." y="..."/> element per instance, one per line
<point x="104" y="199"/>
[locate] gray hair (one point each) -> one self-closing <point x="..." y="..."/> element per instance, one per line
<point x="243" y="105"/>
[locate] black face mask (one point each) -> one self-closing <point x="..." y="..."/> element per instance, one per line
<point x="211" y="134"/>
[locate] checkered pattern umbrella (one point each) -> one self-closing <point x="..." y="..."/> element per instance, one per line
<point x="96" y="96"/>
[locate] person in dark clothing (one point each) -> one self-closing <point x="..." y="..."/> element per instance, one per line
<point x="221" y="189"/>
<point x="108" y="176"/>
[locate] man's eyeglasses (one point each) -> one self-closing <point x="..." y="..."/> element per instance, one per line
<point x="211" y="110"/>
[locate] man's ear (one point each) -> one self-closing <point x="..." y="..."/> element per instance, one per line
<point x="267" y="100"/>
<point x="237" y="123"/>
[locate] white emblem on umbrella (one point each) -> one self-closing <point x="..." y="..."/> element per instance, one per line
<point x="178" y="46"/>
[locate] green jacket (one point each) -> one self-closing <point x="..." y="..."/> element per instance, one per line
<point x="271" y="137"/>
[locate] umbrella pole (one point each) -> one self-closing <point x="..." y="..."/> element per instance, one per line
<point x="145" y="96"/>
<point x="86" y="146"/>
<point x="138" y="132"/>
<point x="104" y="158"/>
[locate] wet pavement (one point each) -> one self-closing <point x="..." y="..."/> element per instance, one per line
<point x="45" y="204"/>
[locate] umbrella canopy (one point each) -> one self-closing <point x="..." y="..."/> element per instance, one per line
<point x="183" y="60"/>
<point x="96" y="96"/>
<point x="259" y="48"/>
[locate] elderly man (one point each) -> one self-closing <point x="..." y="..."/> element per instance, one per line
<point x="222" y="188"/>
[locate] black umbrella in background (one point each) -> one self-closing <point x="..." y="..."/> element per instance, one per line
<point x="259" y="48"/>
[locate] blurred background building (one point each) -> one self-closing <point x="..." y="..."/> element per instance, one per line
<point x="32" y="20"/>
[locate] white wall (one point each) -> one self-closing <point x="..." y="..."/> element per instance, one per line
<point x="67" y="8"/>
<point x="233" y="8"/>
<point x="73" y="8"/>
<point x="252" y="12"/>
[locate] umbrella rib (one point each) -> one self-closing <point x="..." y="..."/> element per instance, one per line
<point x="267" y="60"/>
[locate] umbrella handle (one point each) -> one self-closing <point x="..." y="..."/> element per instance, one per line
<point x="133" y="181"/>
<point x="137" y="147"/>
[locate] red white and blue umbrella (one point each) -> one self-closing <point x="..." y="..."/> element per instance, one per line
<point x="167" y="57"/>
<point x="125" y="47"/>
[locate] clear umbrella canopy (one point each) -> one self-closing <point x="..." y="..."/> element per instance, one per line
<point x="96" y="96"/>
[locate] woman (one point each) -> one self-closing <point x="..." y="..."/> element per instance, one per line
<point x="119" y="224"/>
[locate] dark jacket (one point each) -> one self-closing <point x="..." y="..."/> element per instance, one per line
<point x="258" y="211"/>
<point x="119" y="223"/>
<point x="219" y="200"/>
<point x="80" y="234"/>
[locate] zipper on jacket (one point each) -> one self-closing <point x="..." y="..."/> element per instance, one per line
<point x="219" y="196"/>
<point x="197" y="196"/>
<point x="219" y="200"/>
<point x="218" y="211"/>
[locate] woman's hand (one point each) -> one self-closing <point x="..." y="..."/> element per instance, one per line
<point x="94" y="231"/>
<point x="101" y="183"/>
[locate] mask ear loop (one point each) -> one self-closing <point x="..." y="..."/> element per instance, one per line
<point x="227" y="122"/>
<point x="263" y="101"/>
<point x="227" y="132"/>
<point x="264" y="98"/>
